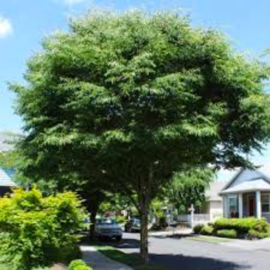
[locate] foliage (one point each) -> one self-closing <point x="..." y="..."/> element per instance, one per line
<point x="120" y="219"/>
<point x="253" y="234"/>
<point x="130" y="99"/>
<point x="36" y="231"/>
<point x="197" y="229"/>
<point x="207" y="230"/>
<point x="227" y="233"/>
<point x="250" y="228"/>
<point x="241" y="225"/>
<point x="188" y="187"/>
<point x="78" y="265"/>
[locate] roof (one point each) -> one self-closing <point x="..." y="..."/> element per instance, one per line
<point x="251" y="185"/>
<point x="5" y="180"/>
<point x="212" y="194"/>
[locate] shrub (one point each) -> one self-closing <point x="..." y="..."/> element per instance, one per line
<point x="207" y="230"/>
<point x="253" y="234"/>
<point x="261" y="225"/>
<point x="79" y="265"/>
<point x="120" y="219"/>
<point x="35" y="230"/>
<point x="227" y="233"/>
<point x="241" y="225"/>
<point x="197" y="229"/>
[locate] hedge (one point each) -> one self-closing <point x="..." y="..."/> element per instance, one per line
<point x="250" y="228"/>
<point x="227" y="233"/>
<point x="241" y="225"/>
<point x="79" y="265"/>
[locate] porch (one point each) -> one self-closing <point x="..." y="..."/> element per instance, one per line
<point x="247" y="204"/>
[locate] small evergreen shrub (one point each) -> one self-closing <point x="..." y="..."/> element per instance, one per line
<point x="36" y="231"/>
<point x="227" y="233"/>
<point x="79" y="265"/>
<point x="253" y="235"/>
<point x="120" y="219"/>
<point x="241" y="225"/>
<point x="207" y="230"/>
<point x="197" y="229"/>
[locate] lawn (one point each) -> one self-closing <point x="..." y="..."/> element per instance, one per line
<point x="209" y="239"/>
<point x="131" y="260"/>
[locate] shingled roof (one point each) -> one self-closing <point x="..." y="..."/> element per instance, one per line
<point x="5" y="179"/>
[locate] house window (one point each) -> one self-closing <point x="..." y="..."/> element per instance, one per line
<point x="265" y="203"/>
<point x="233" y="206"/>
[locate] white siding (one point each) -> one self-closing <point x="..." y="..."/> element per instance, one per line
<point x="216" y="210"/>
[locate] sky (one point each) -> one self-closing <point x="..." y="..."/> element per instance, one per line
<point x="24" y="23"/>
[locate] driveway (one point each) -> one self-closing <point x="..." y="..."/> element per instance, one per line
<point x="187" y="254"/>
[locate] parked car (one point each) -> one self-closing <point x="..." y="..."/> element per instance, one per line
<point x="133" y="225"/>
<point x="108" y="229"/>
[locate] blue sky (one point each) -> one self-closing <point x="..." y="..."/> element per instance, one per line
<point x="23" y="24"/>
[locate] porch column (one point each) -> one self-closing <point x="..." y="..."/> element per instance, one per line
<point x="240" y="205"/>
<point x="258" y="204"/>
<point x="225" y="206"/>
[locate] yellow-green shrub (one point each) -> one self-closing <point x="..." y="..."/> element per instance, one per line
<point x="35" y="230"/>
<point x="227" y="233"/>
<point x="79" y="265"/>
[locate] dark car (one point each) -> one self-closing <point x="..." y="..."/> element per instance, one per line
<point x="108" y="229"/>
<point x="133" y="225"/>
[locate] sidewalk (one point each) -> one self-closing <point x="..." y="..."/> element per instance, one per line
<point x="99" y="262"/>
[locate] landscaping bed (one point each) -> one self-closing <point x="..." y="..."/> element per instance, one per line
<point x="241" y="228"/>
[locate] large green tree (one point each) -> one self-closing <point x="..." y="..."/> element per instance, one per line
<point x="188" y="187"/>
<point x="133" y="98"/>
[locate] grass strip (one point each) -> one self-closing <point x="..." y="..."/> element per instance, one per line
<point x="131" y="260"/>
<point x="209" y="239"/>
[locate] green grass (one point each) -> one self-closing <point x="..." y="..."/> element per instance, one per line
<point x="131" y="260"/>
<point x="209" y="239"/>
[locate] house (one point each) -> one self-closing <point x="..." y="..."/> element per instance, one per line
<point x="213" y="205"/>
<point x="6" y="184"/>
<point x="247" y="195"/>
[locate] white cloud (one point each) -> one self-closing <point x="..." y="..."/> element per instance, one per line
<point x="5" y="27"/>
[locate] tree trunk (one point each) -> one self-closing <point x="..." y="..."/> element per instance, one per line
<point x="93" y="216"/>
<point x="144" y="231"/>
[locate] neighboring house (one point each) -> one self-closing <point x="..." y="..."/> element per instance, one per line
<point x="6" y="184"/>
<point x="213" y="205"/>
<point x="247" y="195"/>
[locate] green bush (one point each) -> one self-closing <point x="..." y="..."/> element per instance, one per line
<point x="120" y="219"/>
<point x="261" y="225"/>
<point x="197" y="229"/>
<point x="253" y="234"/>
<point x="241" y="225"/>
<point x="36" y="231"/>
<point x="79" y="265"/>
<point x="207" y="230"/>
<point x="227" y="233"/>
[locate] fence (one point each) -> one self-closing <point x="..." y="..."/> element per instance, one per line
<point x="197" y="219"/>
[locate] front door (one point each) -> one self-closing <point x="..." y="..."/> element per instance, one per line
<point x="251" y="206"/>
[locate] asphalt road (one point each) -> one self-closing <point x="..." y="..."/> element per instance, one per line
<point x="187" y="254"/>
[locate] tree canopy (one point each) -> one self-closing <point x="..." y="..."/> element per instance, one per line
<point x="189" y="188"/>
<point x="132" y="98"/>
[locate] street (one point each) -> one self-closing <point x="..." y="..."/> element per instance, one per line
<point x="187" y="254"/>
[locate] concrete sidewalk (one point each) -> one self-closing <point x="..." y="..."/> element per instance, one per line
<point x="99" y="262"/>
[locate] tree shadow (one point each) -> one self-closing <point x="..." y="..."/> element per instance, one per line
<point x="127" y="243"/>
<point x="178" y="262"/>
